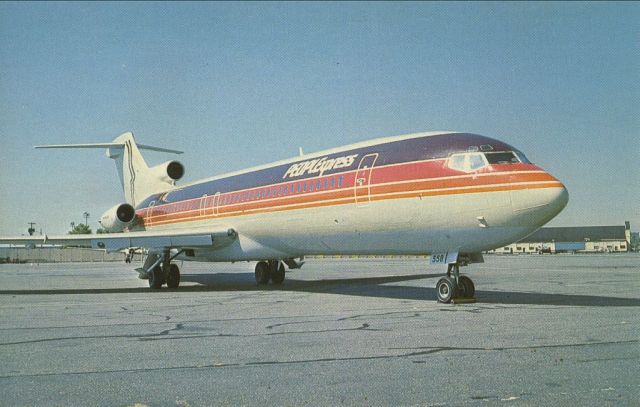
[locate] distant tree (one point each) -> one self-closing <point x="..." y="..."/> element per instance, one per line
<point x="80" y="229"/>
<point x="635" y="241"/>
<point x="101" y="231"/>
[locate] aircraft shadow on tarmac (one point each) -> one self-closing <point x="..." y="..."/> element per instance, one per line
<point x="367" y="286"/>
<point x="377" y="287"/>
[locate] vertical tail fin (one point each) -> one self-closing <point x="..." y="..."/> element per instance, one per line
<point x="137" y="179"/>
<point x="129" y="163"/>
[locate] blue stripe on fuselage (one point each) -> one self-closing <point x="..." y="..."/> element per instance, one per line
<point x="415" y="149"/>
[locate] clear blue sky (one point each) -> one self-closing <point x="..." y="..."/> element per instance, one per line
<point x="239" y="84"/>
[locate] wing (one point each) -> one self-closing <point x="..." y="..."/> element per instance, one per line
<point x="111" y="242"/>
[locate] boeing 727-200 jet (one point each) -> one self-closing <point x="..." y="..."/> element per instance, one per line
<point x="448" y="195"/>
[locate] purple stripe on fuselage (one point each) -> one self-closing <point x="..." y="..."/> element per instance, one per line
<point x="415" y="149"/>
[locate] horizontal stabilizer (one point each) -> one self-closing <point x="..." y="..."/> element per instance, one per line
<point x="110" y="145"/>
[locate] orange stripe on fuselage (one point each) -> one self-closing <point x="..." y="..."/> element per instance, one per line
<point x="403" y="190"/>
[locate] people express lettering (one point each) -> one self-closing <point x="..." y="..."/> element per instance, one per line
<point x="319" y="166"/>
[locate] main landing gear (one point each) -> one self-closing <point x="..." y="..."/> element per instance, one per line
<point x="163" y="271"/>
<point x="270" y="270"/>
<point x="454" y="286"/>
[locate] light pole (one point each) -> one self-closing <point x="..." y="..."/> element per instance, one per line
<point x="86" y="218"/>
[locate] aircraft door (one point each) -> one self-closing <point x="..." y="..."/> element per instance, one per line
<point x="148" y="221"/>
<point x="216" y="203"/>
<point x="203" y="204"/>
<point x="361" y="187"/>
<point x="209" y="204"/>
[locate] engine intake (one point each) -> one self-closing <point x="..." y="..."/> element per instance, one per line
<point x="175" y="170"/>
<point x="168" y="172"/>
<point x="118" y="218"/>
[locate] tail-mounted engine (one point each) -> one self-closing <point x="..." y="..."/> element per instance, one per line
<point x="118" y="218"/>
<point x="168" y="172"/>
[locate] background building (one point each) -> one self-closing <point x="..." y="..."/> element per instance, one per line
<point x="584" y="239"/>
<point x="57" y="254"/>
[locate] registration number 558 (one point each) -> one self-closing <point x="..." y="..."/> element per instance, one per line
<point x="438" y="258"/>
<point x="444" y="257"/>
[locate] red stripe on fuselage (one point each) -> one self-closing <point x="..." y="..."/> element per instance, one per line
<point x="425" y="178"/>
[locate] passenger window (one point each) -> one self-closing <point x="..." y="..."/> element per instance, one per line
<point x="340" y="182"/>
<point x="333" y="182"/>
<point x="318" y="185"/>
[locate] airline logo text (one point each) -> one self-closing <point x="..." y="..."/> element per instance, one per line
<point x="319" y="166"/>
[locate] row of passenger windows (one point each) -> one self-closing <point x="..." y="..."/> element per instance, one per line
<point x="475" y="161"/>
<point x="284" y="190"/>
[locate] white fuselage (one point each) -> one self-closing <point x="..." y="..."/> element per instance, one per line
<point x="402" y="207"/>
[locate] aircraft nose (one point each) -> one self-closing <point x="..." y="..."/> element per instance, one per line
<point x="540" y="205"/>
<point x="557" y="199"/>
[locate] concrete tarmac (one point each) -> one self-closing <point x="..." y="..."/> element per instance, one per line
<point x="559" y="330"/>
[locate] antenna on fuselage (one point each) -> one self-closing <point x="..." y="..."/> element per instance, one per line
<point x="300" y="152"/>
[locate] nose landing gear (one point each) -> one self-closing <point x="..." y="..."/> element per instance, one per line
<point x="455" y="287"/>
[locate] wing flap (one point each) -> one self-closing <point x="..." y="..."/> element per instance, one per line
<point x="115" y="244"/>
<point x="112" y="242"/>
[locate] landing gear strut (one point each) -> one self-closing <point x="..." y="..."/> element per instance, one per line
<point x="168" y="272"/>
<point x="454" y="285"/>
<point x="269" y="270"/>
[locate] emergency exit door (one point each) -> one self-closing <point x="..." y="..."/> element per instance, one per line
<point x="362" y="187"/>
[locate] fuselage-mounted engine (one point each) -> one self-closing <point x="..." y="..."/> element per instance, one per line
<point x="118" y="218"/>
<point x="168" y="172"/>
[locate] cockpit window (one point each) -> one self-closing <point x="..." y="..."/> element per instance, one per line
<point x="472" y="161"/>
<point x="467" y="161"/>
<point x="476" y="161"/>
<point x="457" y="161"/>
<point x="523" y="158"/>
<point x="503" y="157"/>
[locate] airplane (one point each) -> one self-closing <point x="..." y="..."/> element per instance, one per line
<point x="446" y="195"/>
